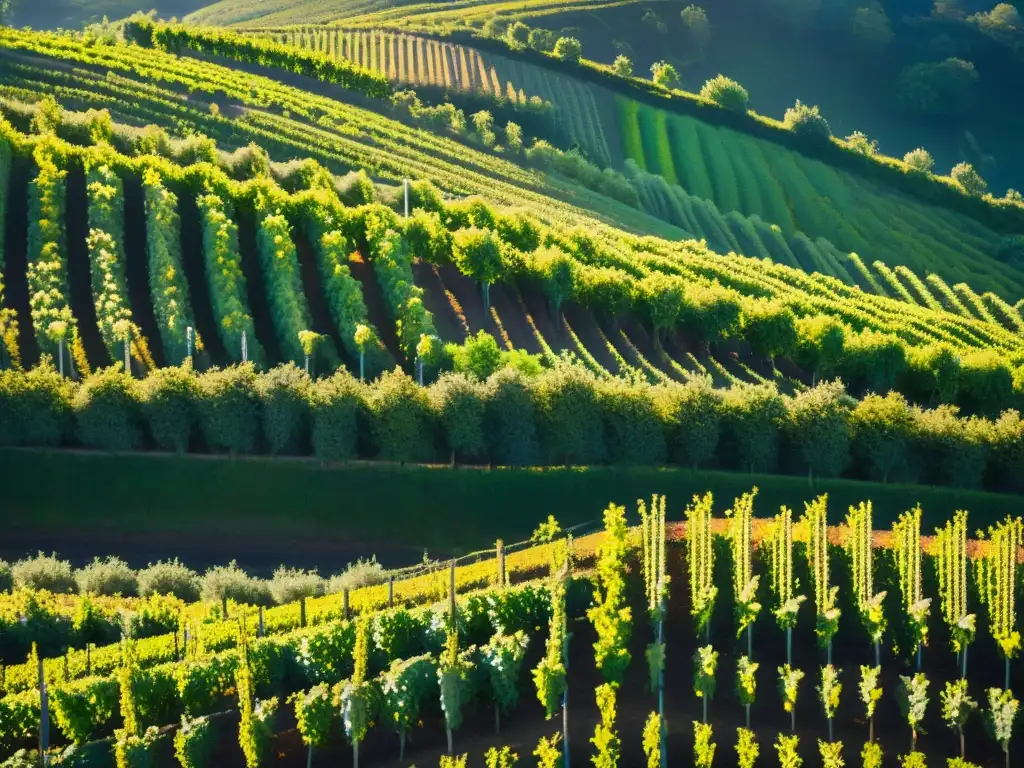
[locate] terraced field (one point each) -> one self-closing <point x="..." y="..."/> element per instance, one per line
<point x="824" y="214"/>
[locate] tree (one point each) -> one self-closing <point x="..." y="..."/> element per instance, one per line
<point x="861" y="144"/>
<point x="517" y="35"/>
<point x="454" y="676"/>
<point x="406" y="685"/>
<point x="664" y="74"/>
<point x="606" y="738"/>
<point x="957" y="706"/>
<point x="827" y="622"/>
<point x="652" y="740"/>
<point x="363" y="337"/>
<point x="611" y="616"/>
<point x="906" y="537"/>
<point x="623" y="66"/>
<point x="744" y="581"/>
<point x="703" y="746"/>
<point x="746" y="683"/>
<point x="861" y="551"/>
<point x="871" y="755"/>
<point x="500" y="758"/>
<point x="871" y="26"/>
<point x="477" y="254"/>
<point x="746" y="748"/>
<point x="1002" y="709"/>
<point x="939" y="88"/>
<point x="786" y="747"/>
<point x="829" y="692"/>
<point x="568" y="49"/>
<point x="701" y="562"/>
<point x="912" y="695"/>
<point x="968" y="179"/>
<point x="870" y="693"/>
<point x="726" y="93"/>
<point x="807" y="122"/>
<point x="356" y="695"/>
<point x="997" y="586"/>
<point x="919" y="161"/>
<point x="483" y="122"/>
<point x="779" y="543"/>
<point x="548" y="753"/>
<point x="789" y="688"/>
<point x="314" y="711"/>
<point x="502" y="659"/>
<point x="696" y="20"/>
<point x="705" y="662"/>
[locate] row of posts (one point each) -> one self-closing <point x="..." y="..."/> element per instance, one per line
<point x="44" y="729"/>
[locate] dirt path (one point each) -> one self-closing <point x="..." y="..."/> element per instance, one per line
<point x="376" y="307"/>
<point x="513" y="319"/>
<point x="255" y="287"/>
<point x="585" y="326"/>
<point x="136" y="266"/>
<point x="15" y="268"/>
<point x="316" y="298"/>
<point x="193" y="263"/>
<point x="450" y="324"/>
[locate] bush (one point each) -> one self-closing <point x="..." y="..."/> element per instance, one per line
<point x="568" y="49"/>
<point x="229" y="582"/>
<point x="769" y="327"/>
<point x="109" y="411"/>
<point x="568" y="416"/>
<point x="401" y="418"/>
<point x="193" y="743"/>
<point x="696" y="20"/>
<point x="807" y="122"/>
<point x="169" y="402"/>
<point x="881" y="432"/>
<point x="968" y="179"/>
<point x="170" y="577"/>
<point x="1007" y="452"/>
<point x="284" y="394"/>
<point x="623" y="66"/>
<point x="107" y="577"/>
<point x="136" y="751"/>
<point x="861" y="144"/>
<point x="6" y="577"/>
<point x="517" y="35"/>
<point x="817" y="429"/>
<point x="510" y="419"/>
<point x="726" y="93"/>
<point x="919" y="161"/>
<point x="752" y="419"/>
<point x="542" y="40"/>
<point x="955" y="450"/>
<point x="35" y="407"/>
<point x="44" y="572"/>
<point x="693" y="414"/>
<point x="986" y="383"/>
<point x="362" y="573"/>
<point x="229" y="408"/>
<point x="632" y="423"/>
<point x="479" y="356"/>
<point x="291" y="584"/>
<point x="664" y="74"/>
<point x="459" y="405"/>
<point x="336" y="406"/>
<point x="942" y="88"/>
<point x="873" y="361"/>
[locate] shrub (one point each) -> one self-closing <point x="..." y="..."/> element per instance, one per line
<point x="336" y="405"/>
<point x="542" y="40"/>
<point x="881" y="430"/>
<point x="6" y="577"/>
<point x="169" y="577"/>
<point x="132" y="751"/>
<point x="817" y="429"/>
<point x="752" y="419"/>
<point x="284" y="394"/>
<point x="769" y="327"/>
<point x="919" y="161"/>
<point x="955" y="450"/>
<point x="726" y="93"/>
<point x="873" y="361"/>
<point x="169" y="402"/>
<point x="632" y="423"/>
<point x="861" y="144"/>
<point x="459" y="405"/>
<point x="107" y="577"/>
<point x="623" y="66"/>
<point x="696" y="20"/>
<point x="510" y="419"/>
<point x="109" y="411"/>
<point x="156" y="615"/>
<point x="44" y="572"/>
<point x="968" y="179"/>
<point x="229" y="582"/>
<point x="1006" y="445"/>
<point x="291" y="584"/>
<point x="517" y="35"/>
<point x="941" y="88"/>
<point x="986" y="382"/>
<point x="478" y="357"/>
<point x="664" y="74"/>
<point x="362" y="573"/>
<point x="807" y="122"/>
<point x="193" y="743"/>
<point x="692" y="414"/>
<point x="568" y="416"/>
<point x="229" y="408"/>
<point x="401" y="418"/>
<point x="35" y="407"/>
<point x="568" y="49"/>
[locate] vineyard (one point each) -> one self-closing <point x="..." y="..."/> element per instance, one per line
<point x="901" y="644"/>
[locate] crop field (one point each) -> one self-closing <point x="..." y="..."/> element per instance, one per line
<point x="824" y="214"/>
<point x="851" y="622"/>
